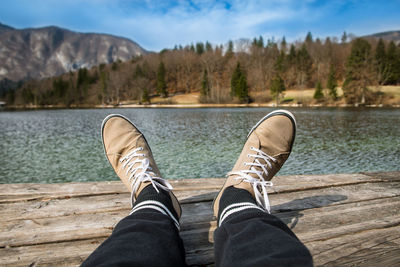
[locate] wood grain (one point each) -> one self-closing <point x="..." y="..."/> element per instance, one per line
<point x="344" y="219"/>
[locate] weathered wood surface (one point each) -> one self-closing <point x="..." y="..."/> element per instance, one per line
<point x="344" y="219"/>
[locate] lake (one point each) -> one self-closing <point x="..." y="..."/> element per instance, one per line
<point x="50" y="146"/>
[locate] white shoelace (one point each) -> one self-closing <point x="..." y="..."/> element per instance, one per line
<point x="142" y="173"/>
<point x="259" y="182"/>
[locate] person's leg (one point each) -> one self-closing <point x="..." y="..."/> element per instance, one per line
<point x="253" y="237"/>
<point x="149" y="236"/>
<point x="247" y="235"/>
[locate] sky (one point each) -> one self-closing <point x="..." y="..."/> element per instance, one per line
<point x="159" y="24"/>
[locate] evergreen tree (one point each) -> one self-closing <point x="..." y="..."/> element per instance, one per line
<point x="277" y="87"/>
<point x="280" y="62"/>
<point x="283" y="44"/>
<point x="381" y="62"/>
<point x="292" y="55"/>
<point x="161" y="84"/>
<point x="145" y="96"/>
<point x="243" y="90"/>
<point x="138" y="72"/>
<point x="358" y="72"/>
<point x="260" y="42"/>
<point x="229" y="51"/>
<point x="304" y="64"/>
<point x="82" y="83"/>
<point x="199" y="48"/>
<point x="344" y="37"/>
<point x="309" y="38"/>
<point x="393" y="64"/>
<point x="209" y="47"/>
<point x="237" y="73"/>
<point x="254" y="43"/>
<point x="239" y="86"/>
<point x="60" y="88"/>
<point x="205" y="85"/>
<point x="332" y="84"/>
<point x="103" y="79"/>
<point x="318" y="94"/>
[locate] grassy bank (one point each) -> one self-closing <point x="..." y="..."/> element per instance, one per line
<point x="291" y="98"/>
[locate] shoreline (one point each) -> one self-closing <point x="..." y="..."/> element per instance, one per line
<point x="194" y="106"/>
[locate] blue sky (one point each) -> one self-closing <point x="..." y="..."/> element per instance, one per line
<point x="162" y="24"/>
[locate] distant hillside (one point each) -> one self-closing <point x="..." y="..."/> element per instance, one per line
<point x="388" y="36"/>
<point x="50" y="51"/>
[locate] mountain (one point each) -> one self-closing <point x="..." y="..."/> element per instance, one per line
<point x="49" y="51"/>
<point x="388" y="36"/>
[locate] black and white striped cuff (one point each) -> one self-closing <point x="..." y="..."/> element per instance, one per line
<point x="233" y="208"/>
<point x="155" y="205"/>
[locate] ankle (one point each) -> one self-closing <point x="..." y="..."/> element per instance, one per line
<point x="234" y="200"/>
<point x="149" y="197"/>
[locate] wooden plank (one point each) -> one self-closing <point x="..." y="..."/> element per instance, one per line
<point x="336" y="251"/>
<point x="54" y="254"/>
<point x="197" y="217"/>
<point x="340" y="217"/>
<point x="113" y="202"/>
<point x="384" y="176"/>
<point x="384" y="254"/>
<point x="25" y="192"/>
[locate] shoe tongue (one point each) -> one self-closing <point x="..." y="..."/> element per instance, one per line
<point x="272" y="144"/>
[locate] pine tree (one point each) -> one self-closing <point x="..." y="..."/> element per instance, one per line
<point x="309" y="38"/>
<point x="283" y="44"/>
<point x="239" y="86"/>
<point x="277" y="87"/>
<point x="260" y="42"/>
<point x="358" y="72"/>
<point x="381" y="62"/>
<point x="393" y="62"/>
<point x="229" y="51"/>
<point x="209" y="47"/>
<point x="304" y="64"/>
<point x="199" y="48"/>
<point x="205" y="85"/>
<point x="292" y="55"/>
<point x="318" y="94"/>
<point x="235" y="80"/>
<point x="331" y="83"/>
<point x="103" y="79"/>
<point x="280" y="62"/>
<point x="344" y="37"/>
<point x="161" y="84"/>
<point x="243" y="91"/>
<point x="145" y="96"/>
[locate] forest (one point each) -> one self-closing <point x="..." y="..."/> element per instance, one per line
<point x="243" y="71"/>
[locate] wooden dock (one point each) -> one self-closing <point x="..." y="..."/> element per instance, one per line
<point x="344" y="219"/>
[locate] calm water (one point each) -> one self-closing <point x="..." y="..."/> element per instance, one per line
<point x="64" y="145"/>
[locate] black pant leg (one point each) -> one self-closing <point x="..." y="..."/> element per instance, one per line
<point x="256" y="238"/>
<point x="144" y="238"/>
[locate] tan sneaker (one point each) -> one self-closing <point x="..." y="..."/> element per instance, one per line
<point x="131" y="158"/>
<point x="268" y="146"/>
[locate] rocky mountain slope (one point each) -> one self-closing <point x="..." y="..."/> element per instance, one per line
<point x="388" y="36"/>
<point x="49" y="51"/>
